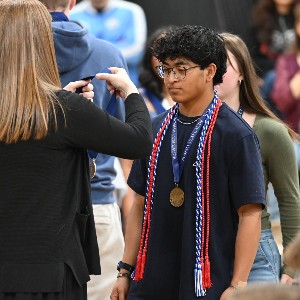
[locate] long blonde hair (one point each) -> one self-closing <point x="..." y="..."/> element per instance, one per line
<point x="28" y="71"/>
<point x="250" y="98"/>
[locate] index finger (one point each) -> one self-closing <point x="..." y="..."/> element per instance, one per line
<point x="81" y="83"/>
<point x="103" y="76"/>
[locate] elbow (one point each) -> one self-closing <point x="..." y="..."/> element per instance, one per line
<point x="147" y="141"/>
<point x="143" y="148"/>
<point x="148" y="146"/>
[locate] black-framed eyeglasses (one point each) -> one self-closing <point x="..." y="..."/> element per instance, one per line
<point x="178" y="72"/>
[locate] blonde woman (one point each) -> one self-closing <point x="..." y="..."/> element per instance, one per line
<point x="48" y="244"/>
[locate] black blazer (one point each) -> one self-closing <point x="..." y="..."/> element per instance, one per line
<point x="46" y="215"/>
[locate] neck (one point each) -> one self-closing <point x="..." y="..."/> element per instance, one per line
<point x="233" y="100"/>
<point x="233" y="104"/>
<point x="283" y="9"/>
<point x="196" y="108"/>
<point x="60" y="9"/>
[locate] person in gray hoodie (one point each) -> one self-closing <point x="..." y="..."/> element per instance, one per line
<point x="80" y="55"/>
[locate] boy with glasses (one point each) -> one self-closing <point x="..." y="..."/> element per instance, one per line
<point x="195" y="223"/>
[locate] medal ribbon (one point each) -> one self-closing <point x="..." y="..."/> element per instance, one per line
<point x="111" y="109"/>
<point x="178" y="166"/>
<point x="240" y="111"/>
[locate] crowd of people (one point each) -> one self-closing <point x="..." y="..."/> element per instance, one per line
<point x="197" y="122"/>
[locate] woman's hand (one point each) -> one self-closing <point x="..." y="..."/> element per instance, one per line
<point x="286" y="279"/>
<point x="227" y="293"/>
<point x="118" y="82"/>
<point x="87" y="88"/>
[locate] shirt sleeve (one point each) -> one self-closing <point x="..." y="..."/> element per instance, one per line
<point x="84" y="125"/>
<point x="281" y="165"/>
<point x="137" y="179"/>
<point x="246" y="176"/>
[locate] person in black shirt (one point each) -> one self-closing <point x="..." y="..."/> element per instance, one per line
<point x="201" y="191"/>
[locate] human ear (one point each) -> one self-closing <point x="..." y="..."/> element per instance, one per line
<point x="210" y="72"/>
<point x="72" y="4"/>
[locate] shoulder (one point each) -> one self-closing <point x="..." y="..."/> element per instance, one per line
<point x="64" y="95"/>
<point x="69" y="100"/>
<point x="73" y="108"/>
<point x="106" y="54"/>
<point x="268" y="129"/>
<point x="230" y="123"/>
<point x="69" y="28"/>
<point x="268" y="126"/>
<point x="103" y="45"/>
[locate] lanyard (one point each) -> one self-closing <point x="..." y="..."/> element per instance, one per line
<point x="240" y="111"/>
<point x="176" y="164"/>
<point x="110" y="108"/>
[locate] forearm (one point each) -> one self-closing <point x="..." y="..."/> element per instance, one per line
<point x="129" y="197"/>
<point x="295" y="86"/>
<point x="247" y="240"/>
<point x="290" y="225"/>
<point x="283" y="174"/>
<point x="132" y="241"/>
<point x="133" y="231"/>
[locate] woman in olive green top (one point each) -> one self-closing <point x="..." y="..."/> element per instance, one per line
<point x="240" y="91"/>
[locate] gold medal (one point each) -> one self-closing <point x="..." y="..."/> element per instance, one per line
<point x="177" y="196"/>
<point x="93" y="168"/>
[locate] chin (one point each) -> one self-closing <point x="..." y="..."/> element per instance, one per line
<point x="176" y="100"/>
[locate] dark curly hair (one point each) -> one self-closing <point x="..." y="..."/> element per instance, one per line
<point x="200" y="45"/>
<point x="147" y="76"/>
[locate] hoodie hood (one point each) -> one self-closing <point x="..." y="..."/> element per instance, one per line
<point x="79" y="54"/>
<point x="73" y="45"/>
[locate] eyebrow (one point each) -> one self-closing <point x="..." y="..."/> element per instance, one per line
<point x="178" y="63"/>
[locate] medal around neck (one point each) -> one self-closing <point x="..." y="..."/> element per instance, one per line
<point x="93" y="168"/>
<point x="177" y="196"/>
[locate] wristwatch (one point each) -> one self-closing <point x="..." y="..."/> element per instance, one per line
<point x="127" y="267"/>
<point x="238" y="285"/>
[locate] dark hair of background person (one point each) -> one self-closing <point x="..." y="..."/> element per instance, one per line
<point x="198" y="44"/>
<point x="147" y="76"/>
<point x="296" y="46"/>
<point x="250" y="97"/>
<point x="264" y="17"/>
